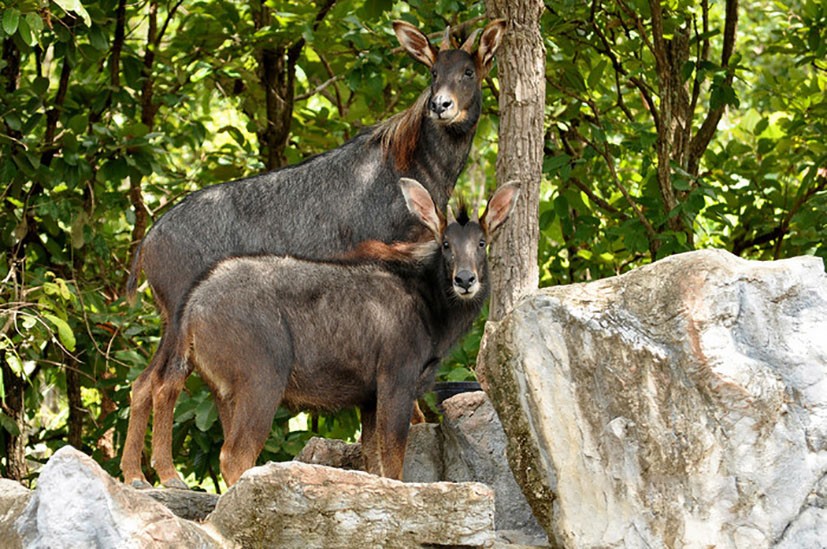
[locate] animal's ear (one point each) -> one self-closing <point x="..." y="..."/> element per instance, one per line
<point x="468" y="45"/>
<point x="500" y="207"/>
<point x="415" y="43"/>
<point x="420" y="203"/>
<point x="446" y="44"/>
<point x="490" y="41"/>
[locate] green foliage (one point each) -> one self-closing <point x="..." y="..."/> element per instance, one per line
<point x="93" y="144"/>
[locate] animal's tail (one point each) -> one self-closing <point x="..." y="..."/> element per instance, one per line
<point x="134" y="271"/>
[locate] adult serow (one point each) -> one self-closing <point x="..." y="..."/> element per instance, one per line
<point x="319" y="208"/>
<point x="368" y="330"/>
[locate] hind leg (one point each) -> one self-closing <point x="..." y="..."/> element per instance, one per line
<point x="250" y="417"/>
<point x="165" y="392"/>
<point x="139" y="412"/>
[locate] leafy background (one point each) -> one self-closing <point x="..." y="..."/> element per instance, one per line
<point x="112" y="111"/>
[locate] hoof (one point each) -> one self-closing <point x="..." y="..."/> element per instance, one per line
<point x="140" y="484"/>
<point x="176" y="483"/>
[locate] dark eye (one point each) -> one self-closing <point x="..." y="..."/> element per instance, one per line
<point x="446" y="245"/>
<point x="469" y="72"/>
<point x="433" y="73"/>
<point x="482" y="243"/>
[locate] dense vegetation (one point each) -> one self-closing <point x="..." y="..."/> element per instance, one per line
<point x="670" y="126"/>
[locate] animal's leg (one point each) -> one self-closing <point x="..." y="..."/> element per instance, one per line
<point x="393" y="421"/>
<point x="417" y="416"/>
<point x="370" y="452"/>
<point x="252" y="407"/>
<point x="139" y="412"/>
<point x="165" y="394"/>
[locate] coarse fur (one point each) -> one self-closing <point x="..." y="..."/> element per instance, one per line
<point x="319" y="208"/>
<point x="367" y="330"/>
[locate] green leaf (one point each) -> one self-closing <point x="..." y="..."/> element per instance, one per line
<point x="10" y="19"/>
<point x="77" y="7"/>
<point x="7" y="423"/>
<point x="25" y="32"/>
<point x="205" y="415"/>
<point x="64" y="331"/>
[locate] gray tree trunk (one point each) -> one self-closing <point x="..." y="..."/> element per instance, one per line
<point x="521" y="73"/>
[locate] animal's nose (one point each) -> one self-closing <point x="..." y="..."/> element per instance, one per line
<point x="441" y="103"/>
<point x="465" y="279"/>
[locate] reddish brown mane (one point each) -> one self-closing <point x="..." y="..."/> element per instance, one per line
<point x="397" y="252"/>
<point x="399" y="134"/>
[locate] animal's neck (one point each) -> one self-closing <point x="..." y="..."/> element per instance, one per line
<point x="450" y="316"/>
<point x="434" y="154"/>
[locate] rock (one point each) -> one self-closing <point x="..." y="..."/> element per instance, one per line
<point x="294" y="504"/>
<point x="683" y="404"/>
<point x="423" y="455"/>
<point x="77" y="504"/>
<point x="13" y="500"/>
<point x="469" y="446"/>
<point x="186" y="504"/>
<point x="475" y="449"/>
<point x="333" y="453"/>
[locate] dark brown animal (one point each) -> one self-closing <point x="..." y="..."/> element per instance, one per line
<point x="368" y="330"/>
<point x="317" y="209"/>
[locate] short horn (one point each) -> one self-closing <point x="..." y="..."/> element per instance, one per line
<point x="446" y="39"/>
<point x="468" y="45"/>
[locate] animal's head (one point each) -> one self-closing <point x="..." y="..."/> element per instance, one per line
<point x="456" y="74"/>
<point x="463" y="241"/>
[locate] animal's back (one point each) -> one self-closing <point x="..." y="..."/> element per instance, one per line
<point x="338" y="324"/>
<point x="314" y="209"/>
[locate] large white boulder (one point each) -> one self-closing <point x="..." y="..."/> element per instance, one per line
<point x="683" y="404"/>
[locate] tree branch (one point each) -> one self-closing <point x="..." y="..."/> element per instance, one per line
<point x="701" y="141"/>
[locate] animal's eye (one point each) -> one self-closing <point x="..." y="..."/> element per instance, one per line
<point x="433" y="73"/>
<point x="445" y="244"/>
<point x="482" y="243"/>
<point x="469" y="72"/>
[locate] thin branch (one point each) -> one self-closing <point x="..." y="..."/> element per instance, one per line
<point x="709" y="126"/>
<point x="318" y="89"/>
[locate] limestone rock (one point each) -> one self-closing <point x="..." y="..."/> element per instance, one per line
<point x="475" y="449"/>
<point x="333" y="453"/>
<point x="187" y="504"/>
<point x="13" y="500"/>
<point x="77" y="504"/>
<point x="681" y="404"/>
<point x="298" y="505"/>
<point x="423" y="455"/>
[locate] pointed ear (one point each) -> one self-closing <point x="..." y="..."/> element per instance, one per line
<point x="420" y="203"/>
<point x="446" y="44"/>
<point x="500" y="207"/>
<point x="468" y="45"/>
<point x="415" y="43"/>
<point x="490" y="41"/>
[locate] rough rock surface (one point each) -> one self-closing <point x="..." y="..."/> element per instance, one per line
<point x="683" y="404"/>
<point x="333" y="453"/>
<point x="299" y="505"/>
<point x="187" y="504"/>
<point x="468" y="446"/>
<point x="13" y="500"/>
<point x="77" y="504"/>
<point x="474" y="448"/>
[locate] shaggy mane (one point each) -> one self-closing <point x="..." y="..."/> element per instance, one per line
<point x="397" y="252"/>
<point x="399" y="134"/>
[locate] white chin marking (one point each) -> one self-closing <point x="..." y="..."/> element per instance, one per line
<point x="453" y="117"/>
<point x="462" y="293"/>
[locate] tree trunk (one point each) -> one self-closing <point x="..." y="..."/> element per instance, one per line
<point x="521" y="73"/>
<point x="15" y="443"/>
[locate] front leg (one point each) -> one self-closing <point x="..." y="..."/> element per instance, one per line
<point x="370" y="452"/>
<point x="393" y="420"/>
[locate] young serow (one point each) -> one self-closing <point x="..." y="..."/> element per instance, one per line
<point x="367" y="330"/>
<point x="318" y="209"/>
